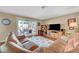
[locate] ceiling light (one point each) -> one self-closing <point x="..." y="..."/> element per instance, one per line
<point x="43" y="7"/>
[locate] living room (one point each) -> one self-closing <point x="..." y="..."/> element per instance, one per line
<point x="49" y="31"/>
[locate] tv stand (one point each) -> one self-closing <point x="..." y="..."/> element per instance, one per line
<point x="54" y="31"/>
<point x="54" y="35"/>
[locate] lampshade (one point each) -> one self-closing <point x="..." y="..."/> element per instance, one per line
<point x="74" y="24"/>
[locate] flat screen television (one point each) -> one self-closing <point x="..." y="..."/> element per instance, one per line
<point x="54" y="27"/>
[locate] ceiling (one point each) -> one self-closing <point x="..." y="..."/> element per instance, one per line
<point x="40" y="12"/>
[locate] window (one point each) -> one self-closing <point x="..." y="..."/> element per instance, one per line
<point x="27" y="27"/>
<point x="23" y="27"/>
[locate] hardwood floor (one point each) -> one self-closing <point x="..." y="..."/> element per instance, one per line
<point x="57" y="47"/>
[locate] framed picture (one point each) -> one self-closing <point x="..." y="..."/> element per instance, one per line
<point x="71" y="23"/>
